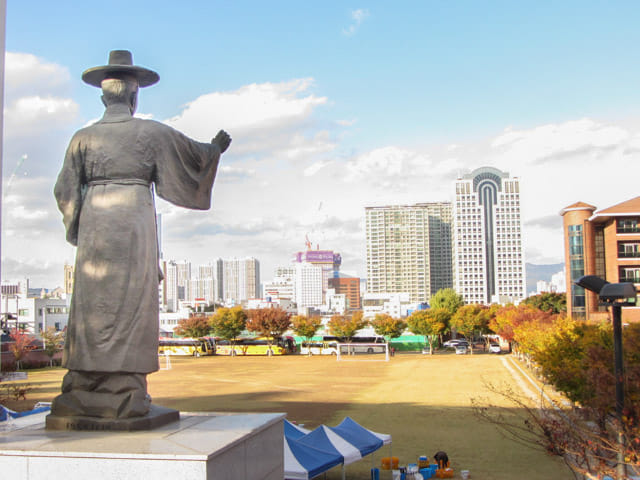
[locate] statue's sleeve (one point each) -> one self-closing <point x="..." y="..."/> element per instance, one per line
<point x="69" y="188"/>
<point x="184" y="168"/>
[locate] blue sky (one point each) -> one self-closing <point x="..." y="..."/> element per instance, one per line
<point x="332" y="106"/>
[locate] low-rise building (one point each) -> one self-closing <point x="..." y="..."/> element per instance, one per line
<point x="394" y="304"/>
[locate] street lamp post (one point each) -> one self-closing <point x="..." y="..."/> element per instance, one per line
<point x="616" y="296"/>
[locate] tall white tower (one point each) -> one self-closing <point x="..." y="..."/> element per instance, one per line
<point x="488" y="256"/>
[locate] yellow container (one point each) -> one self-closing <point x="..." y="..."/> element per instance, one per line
<point x="423" y="462"/>
<point x="389" y="463"/>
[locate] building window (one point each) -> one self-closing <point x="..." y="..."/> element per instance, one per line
<point x="628" y="250"/>
<point x="627" y="225"/>
<point x="629" y="274"/>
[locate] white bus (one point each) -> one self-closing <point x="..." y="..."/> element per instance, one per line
<point x="319" y="347"/>
<point x="329" y="345"/>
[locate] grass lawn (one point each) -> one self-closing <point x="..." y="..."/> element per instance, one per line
<point x="422" y="401"/>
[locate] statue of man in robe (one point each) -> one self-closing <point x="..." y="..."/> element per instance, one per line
<point x="105" y="193"/>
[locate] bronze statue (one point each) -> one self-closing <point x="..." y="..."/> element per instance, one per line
<point x="105" y="193"/>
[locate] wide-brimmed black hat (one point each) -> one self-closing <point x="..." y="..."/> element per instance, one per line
<point x="120" y="61"/>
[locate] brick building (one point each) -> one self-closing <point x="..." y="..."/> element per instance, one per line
<point x="605" y="243"/>
<point x="349" y="286"/>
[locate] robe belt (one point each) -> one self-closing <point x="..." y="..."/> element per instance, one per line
<point x="119" y="181"/>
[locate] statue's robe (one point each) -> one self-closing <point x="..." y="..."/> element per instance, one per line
<point x="104" y="192"/>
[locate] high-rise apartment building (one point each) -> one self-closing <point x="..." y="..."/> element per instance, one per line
<point x="487" y="237"/>
<point x="605" y="243"/>
<point x="210" y="281"/>
<point x="241" y="280"/>
<point x="409" y="249"/>
<point x="169" y="290"/>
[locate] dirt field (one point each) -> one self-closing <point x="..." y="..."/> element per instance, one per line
<point x="422" y="401"/>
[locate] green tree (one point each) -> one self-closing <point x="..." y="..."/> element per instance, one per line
<point x="447" y="298"/>
<point x="428" y="323"/>
<point x="228" y="323"/>
<point x="346" y="326"/>
<point x="268" y="322"/>
<point x="387" y="326"/>
<point x="305" y="327"/>
<point x="470" y="320"/>
<point x="195" y="326"/>
<point x="548" y="302"/>
<point x="52" y="342"/>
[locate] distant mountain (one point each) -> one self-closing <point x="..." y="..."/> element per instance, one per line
<point x="536" y="273"/>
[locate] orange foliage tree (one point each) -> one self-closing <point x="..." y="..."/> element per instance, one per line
<point x="196" y="326"/>
<point x="22" y="344"/>
<point x="346" y="326"/>
<point x="268" y="322"/>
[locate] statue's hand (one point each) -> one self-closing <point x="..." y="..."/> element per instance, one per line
<point x="223" y="140"/>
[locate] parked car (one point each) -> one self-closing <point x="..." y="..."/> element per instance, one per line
<point x="455" y="342"/>
<point x="495" y="348"/>
<point x="462" y="349"/>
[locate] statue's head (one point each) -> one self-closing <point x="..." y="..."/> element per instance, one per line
<point x="120" y="79"/>
<point x="120" y="88"/>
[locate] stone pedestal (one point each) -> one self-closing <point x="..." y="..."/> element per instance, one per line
<point x="199" y="446"/>
<point x="157" y="417"/>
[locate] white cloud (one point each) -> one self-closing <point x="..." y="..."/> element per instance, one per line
<point x="314" y="168"/>
<point x="358" y="16"/>
<point x="559" y="142"/>
<point x="28" y="75"/>
<point x="38" y="114"/>
<point x="387" y="165"/>
<point x="259" y="117"/>
<point x="30" y="116"/>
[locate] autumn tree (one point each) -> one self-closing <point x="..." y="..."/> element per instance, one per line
<point x="305" y="327"/>
<point x="447" y="298"/>
<point x="470" y="320"/>
<point x="548" y="302"/>
<point x="228" y="323"/>
<point x="52" y="342"/>
<point x="429" y="323"/>
<point x="21" y="345"/>
<point x="195" y="326"/>
<point x="387" y="326"/>
<point x="507" y="318"/>
<point x="577" y="359"/>
<point x="346" y="326"/>
<point x="268" y="322"/>
<point x="532" y="336"/>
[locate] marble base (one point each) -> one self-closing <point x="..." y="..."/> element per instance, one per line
<point x="213" y="446"/>
<point x="157" y="417"/>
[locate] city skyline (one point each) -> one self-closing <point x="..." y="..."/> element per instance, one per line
<point x="332" y="109"/>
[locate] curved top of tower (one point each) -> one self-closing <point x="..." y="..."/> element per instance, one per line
<point x="479" y="175"/>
